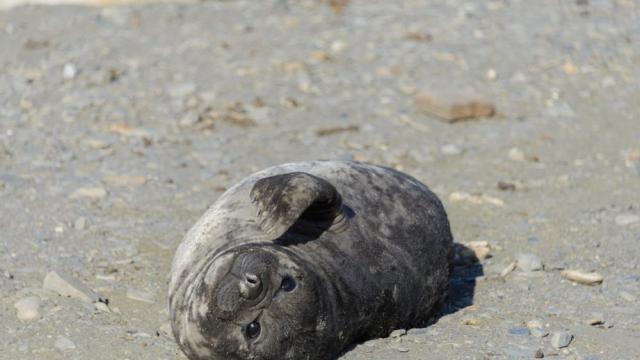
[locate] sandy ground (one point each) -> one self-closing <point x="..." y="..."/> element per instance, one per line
<point x="119" y="126"/>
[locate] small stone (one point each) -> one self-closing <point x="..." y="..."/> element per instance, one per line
<point x="627" y="219"/>
<point x="535" y="323"/>
<point x="398" y="333"/>
<point x="529" y="262"/>
<point x="453" y="107"/>
<point x="506" y="186"/>
<point x="91" y="193"/>
<point x="569" y="68"/>
<point x="28" y="308"/>
<point x="182" y="90"/>
<point x="450" y="149"/>
<point x="338" y="46"/>
<point x="519" y="331"/>
<point x="100" y="306"/>
<point x="595" y="320"/>
<point x="69" y="71"/>
<point x="538" y="354"/>
<point x="80" y="223"/>
<point x="491" y="74"/>
<point x="125" y="180"/>
<point x="561" y="339"/>
<point x="509" y="269"/>
<point x="64" y="344"/>
<point x="471" y="321"/>
<point x="583" y="278"/>
<point x="403" y="349"/>
<point x="516" y="154"/>
<point x="140" y="295"/>
<point x="66" y="285"/>
<point x="189" y="119"/>
<point x="458" y="196"/>
<point x="96" y="144"/>
<point x="538" y="332"/>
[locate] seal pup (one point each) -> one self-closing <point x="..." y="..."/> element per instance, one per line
<point x="301" y="260"/>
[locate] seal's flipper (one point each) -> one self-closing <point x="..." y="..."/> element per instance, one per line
<point x="284" y="199"/>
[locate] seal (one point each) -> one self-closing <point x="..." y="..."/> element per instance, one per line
<point x="301" y="260"/>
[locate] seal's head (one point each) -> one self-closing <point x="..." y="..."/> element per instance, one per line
<point x="257" y="302"/>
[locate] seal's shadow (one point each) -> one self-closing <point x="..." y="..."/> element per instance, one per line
<point x="462" y="282"/>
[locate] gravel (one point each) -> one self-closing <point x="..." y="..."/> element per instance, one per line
<point x="27" y="309"/>
<point x="529" y="262"/>
<point x="66" y="285"/>
<point x="561" y="339"/>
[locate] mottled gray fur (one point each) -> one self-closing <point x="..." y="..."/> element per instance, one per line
<point x="301" y="260"/>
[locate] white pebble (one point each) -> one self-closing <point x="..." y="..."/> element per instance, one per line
<point x="627" y="219"/>
<point x="64" y="344"/>
<point x="450" y="149"/>
<point x="28" y="308"/>
<point x="91" y="193"/>
<point x="69" y="71"/>
<point x="66" y="285"/>
<point x="516" y="154"/>
<point x="529" y="262"/>
<point x="561" y="339"/>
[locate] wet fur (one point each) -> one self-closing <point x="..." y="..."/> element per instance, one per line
<point x="375" y="258"/>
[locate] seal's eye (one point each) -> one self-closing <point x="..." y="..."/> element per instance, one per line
<point x="253" y="330"/>
<point x="288" y="284"/>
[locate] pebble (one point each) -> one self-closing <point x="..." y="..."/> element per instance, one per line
<point x="508" y="269"/>
<point x="561" y="339"/>
<point x="402" y="349"/>
<point x="458" y="196"/>
<point x="583" y="278"/>
<point x="125" y="180"/>
<point x="451" y="149"/>
<point x="536" y="328"/>
<point x="538" y="354"/>
<point x="181" y="90"/>
<point x="398" y="333"/>
<point x="64" y="344"/>
<point x="100" y="306"/>
<point x="627" y="219"/>
<point x="519" y="331"/>
<point x="516" y="154"/>
<point x="66" y="285"/>
<point x="529" y="262"/>
<point x="538" y="332"/>
<point x="91" y="193"/>
<point x="453" y="107"/>
<point x="535" y="323"/>
<point x="80" y="223"/>
<point x="69" y="71"/>
<point x="140" y="295"/>
<point x="191" y="118"/>
<point x="595" y="319"/>
<point x="28" y="308"/>
<point x="165" y="330"/>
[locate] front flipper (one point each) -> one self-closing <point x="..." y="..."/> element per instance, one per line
<point x="283" y="200"/>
